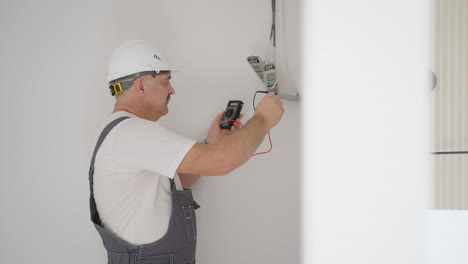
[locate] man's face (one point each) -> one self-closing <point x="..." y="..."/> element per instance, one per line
<point x="159" y="91"/>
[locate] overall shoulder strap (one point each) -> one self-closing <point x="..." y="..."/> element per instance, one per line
<point x="104" y="133"/>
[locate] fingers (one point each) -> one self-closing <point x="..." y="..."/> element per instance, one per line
<point x="237" y="125"/>
<point x="273" y="96"/>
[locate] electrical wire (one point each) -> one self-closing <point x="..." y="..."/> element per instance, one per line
<point x="283" y="57"/>
<point x="272" y="41"/>
<point x="234" y="121"/>
<point x="269" y="137"/>
<point x="273" y="22"/>
<point x="271" y="147"/>
<point x="253" y="103"/>
<point x="274" y="85"/>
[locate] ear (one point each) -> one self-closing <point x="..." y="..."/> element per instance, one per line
<point x="139" y="86"/>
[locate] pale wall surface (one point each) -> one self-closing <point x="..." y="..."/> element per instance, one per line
<point x="54" y="96"/>
<point x="366" y="97"/>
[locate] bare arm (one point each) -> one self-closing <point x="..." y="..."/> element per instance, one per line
<point x="233" y="150"/>
<point x="215" y="133"/>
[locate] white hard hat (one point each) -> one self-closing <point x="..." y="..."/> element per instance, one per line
<point x="136" y="56"/>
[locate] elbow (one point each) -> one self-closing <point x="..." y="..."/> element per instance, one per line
<point x="226" y="171"/>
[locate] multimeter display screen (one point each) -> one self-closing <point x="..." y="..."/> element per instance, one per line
<point x="234" y="104"/>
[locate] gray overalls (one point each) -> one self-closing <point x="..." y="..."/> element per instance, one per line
<point x="177" y="246"/>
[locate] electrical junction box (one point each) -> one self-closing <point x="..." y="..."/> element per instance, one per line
<point x="269" y="77"/>
<point x="265" y="71"/>
<point x="257" y="65"/>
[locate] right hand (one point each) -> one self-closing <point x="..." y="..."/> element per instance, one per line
<point x="270" y="108"/>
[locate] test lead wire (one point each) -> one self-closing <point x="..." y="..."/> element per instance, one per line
<point x="269" y="137"/>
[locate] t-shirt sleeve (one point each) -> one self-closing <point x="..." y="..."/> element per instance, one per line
<point x="150" y="146"/>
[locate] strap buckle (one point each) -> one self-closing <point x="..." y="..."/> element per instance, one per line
<point x="116" y="89"/>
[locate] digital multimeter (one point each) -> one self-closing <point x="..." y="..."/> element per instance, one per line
<point x="231" y="114"/>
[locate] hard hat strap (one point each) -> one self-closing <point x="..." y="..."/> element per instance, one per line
<point x="118" y="88"/>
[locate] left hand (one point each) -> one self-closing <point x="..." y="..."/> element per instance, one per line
<point x="215" y="132"/>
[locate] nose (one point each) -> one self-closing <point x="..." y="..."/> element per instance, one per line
<point x="171" y="89"/>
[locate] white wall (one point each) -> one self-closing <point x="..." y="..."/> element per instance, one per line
<point x="54" y="96"/>
<point x="366" y="95"/>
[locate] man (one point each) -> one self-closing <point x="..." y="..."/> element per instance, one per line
<point x="141" y="172"/>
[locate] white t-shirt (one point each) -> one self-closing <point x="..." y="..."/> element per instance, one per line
<point x="131" y="179"/>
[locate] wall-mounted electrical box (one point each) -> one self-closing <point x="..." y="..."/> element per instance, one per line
<point x="266" y="70"/>
<point x="267" y="73"/>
